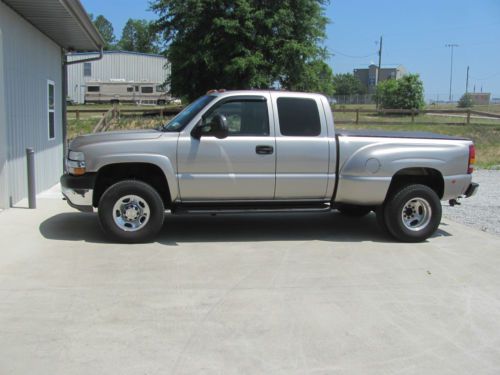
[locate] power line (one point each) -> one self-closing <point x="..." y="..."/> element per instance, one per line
<point x="452" y="46"/>
<point x="353" y="56"/>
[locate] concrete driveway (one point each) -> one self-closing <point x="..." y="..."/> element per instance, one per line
<point x="306" y="294"/>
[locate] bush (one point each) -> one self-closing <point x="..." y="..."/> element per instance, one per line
<point x="465" y="101"/>
<point x="404" y="93"/>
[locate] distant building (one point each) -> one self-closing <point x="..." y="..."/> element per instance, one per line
<point x="368" y="76"/>
<point x="115" y="66"/>
<point x="480" y="98"/>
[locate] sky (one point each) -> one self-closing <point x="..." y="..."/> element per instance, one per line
<point x="414" y="34"/>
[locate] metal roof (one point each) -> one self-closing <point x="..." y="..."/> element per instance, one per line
<point x="64" y="21"/>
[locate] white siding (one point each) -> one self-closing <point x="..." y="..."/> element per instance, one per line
<point x="29" y="60"/>
<point x="129" y="66"/>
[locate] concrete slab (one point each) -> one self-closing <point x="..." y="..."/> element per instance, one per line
<point x="279" y="294"/>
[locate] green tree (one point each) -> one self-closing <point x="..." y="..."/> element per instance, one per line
<point x="404" y="93"/>
<point x="348" y="84"/>
<point x="466" y="101"/>
<point x="105" y="28"/>
<point x="139" y="36"/>
<point x="243" y="44"/>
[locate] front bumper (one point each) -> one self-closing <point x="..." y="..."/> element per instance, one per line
<point x="78" y="190"/>
<point x="471" y="190"/>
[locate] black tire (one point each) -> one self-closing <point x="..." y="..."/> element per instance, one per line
<point x="413" y="213"/>
<point x="147" y="206"/>
<point x="354" y="210"/>
<point x="114" y="101"/>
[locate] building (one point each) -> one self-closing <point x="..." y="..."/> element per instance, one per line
<point x="480" y="98"/>
<point x="368" y="76"/>
<point x="34" y="35"/>
<point x="115" y="66"/>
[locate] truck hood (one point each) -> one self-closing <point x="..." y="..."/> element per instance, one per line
<point x="130" y="135"/>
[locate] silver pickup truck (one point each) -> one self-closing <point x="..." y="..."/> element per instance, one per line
<point x="265" y="151"/>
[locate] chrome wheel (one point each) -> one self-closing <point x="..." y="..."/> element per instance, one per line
<point x="416" y="214"/>
<point x="131" y="213"/>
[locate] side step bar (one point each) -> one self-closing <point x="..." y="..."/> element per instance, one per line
<point x="247" y="209"/>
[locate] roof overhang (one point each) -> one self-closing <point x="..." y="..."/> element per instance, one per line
<point x="64" y="21"/>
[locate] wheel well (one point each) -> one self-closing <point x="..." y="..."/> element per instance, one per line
<point x="425" y="176"/>
<point x="148" y="173"/>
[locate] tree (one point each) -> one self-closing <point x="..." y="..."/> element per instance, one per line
<point x="404" y="93"/>
<point x="139" y="36"/>
<point x="348" y="84"/>
<point x="105" y="28"/>
<point x="466" y="101"/>
<point x="243" y="44"/>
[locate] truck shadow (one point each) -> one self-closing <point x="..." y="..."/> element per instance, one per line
<point x="329" y="226"/>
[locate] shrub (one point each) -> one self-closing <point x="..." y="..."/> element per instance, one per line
<point x="404" y="93"/>
<point x="465" y="101"/>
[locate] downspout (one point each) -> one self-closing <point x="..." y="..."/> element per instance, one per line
<point x="65" y="95"/>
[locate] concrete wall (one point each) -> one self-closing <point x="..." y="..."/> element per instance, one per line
<point x="129" y="66"/>
<point x="30" y="59"/>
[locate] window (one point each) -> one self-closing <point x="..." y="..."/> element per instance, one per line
<point x="298" y="117"/>
<point x="51" y="109"/>
<point x="244" y="117"/>
<point x="147" y="89"/>
<point x="137" y="88"/>
<point x="87" y="69"/>
<point x="160" y="88"/>
<point x="130" y="89"/>
<point x="93" y="89"/>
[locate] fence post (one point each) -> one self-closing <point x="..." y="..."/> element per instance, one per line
<point x="78" y="114"/>
<point x="161" y="113"/>
<point x="30" y="163"/>
<point x="468" y="116"/>
<point x="357" y="115"/>
<point x="412" y="115"/>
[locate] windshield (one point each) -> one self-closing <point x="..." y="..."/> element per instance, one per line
<point x="187" y="114"/>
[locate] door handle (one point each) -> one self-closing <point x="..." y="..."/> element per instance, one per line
<point x="264" y="150"/>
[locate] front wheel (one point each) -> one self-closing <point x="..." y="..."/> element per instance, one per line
<point x="413" y="213"/>
<point x="131" y="211"/>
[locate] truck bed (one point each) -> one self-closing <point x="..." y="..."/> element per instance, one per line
<point x="395" y="134"/>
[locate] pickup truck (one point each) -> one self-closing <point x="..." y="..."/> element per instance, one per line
<point x="265" y="152"/>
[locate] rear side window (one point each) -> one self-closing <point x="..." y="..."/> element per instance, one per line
<point x="93" y="88"/>
<point x="298" y="117"/>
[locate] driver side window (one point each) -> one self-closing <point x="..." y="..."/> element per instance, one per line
<point x="244" y="118"/>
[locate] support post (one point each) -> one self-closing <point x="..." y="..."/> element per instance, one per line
<point x="30" y="163"/>
<point x="468" y="116"/>
<point x="357" y="115"/>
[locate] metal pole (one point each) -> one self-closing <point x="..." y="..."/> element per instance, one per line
<point x="377" y="76"/>
<point x="452" y="46"/>
<point x="467" y="81"/>
<point x="30" y="163"/>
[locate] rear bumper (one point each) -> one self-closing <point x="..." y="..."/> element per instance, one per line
<point x="471" y="190"/>
<point x="78" y="190"/>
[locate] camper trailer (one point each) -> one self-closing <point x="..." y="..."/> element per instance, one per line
<point x="120" y="91"/>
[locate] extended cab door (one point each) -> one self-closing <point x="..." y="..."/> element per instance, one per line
<point x="303" y="148"/>
<point x="240" y="167"/>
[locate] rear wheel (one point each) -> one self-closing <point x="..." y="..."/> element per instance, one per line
<point x="354" y="210"/>
<point x="413" y="213"/>
<point x="131" y="211"/>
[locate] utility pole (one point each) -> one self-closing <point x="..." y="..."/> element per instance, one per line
<point x="452" y="46"/>
<point x="467" y="81"/>
<point x="377" y="76"/>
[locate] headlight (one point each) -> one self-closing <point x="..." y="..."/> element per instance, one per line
<point x="75" y="155"/>
<point x="75" y="164"/>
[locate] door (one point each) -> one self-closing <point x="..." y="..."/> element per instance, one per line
<point x="302" y="147"/>
<point x="240" y="167"/>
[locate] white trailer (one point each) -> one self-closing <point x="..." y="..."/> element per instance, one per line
<point x="121" y="91"/>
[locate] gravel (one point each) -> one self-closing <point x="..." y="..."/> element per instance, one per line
<point x="481" y="211"/>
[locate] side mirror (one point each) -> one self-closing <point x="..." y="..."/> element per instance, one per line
<point x="218" y="128"/>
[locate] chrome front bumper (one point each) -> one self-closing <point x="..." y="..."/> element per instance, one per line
<point x="81" y="199"/>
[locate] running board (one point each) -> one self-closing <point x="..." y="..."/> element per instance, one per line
<point x="249" y="209"/>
